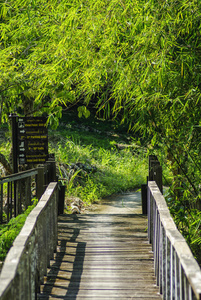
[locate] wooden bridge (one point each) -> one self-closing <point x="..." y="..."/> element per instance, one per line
<point x="100" y="256"/>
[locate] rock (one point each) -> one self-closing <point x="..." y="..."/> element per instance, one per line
<point x="66" y="171"/>
<point x="75" y="209"/>
<point x="75" y="204"/>
<point x="85" y="167"/>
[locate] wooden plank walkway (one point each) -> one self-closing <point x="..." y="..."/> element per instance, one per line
<point x="101" y="256"/>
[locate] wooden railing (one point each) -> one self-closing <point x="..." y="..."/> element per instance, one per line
<point x="177" y="272"/>
<point x="27" y="261"/>
<point x="16" y="190"/>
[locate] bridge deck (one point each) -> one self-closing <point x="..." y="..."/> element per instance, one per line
<point x="101" y="256"/>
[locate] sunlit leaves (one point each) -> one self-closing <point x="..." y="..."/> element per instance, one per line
<point x="138" y="59"/>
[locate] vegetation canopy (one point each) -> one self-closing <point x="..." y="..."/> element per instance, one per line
<point x="138" y="61"/>
<point x="135" y="60"/>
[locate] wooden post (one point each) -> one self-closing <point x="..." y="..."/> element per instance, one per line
<point x="27" y="184"/>
<point x="144" y="198"/>
<point x="155" y="171"/>
<point x="61" y="199"/>
<point x="157" y="176"/>
<point x="152" y="160"/>
<point x="152" y="165"/>
<point x="40" y="182"/>
<point x="51" y="169"/>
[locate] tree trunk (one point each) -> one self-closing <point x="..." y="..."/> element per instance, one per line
<point x="6" y="165"/>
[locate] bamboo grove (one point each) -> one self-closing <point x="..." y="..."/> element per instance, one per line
<point x="136" y="60"/>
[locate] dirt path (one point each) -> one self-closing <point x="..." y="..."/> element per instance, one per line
<point x="126" y="203"/>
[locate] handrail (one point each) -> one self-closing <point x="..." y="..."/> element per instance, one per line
<point x="17" y="194"/>
<point x="26" y="262"/>
<point x="18" y="176"/>
<point x="177" y="272"/>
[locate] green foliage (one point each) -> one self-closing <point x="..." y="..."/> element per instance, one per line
<point x="83" y="111"/>
<point x="187" y="218"/>
<point x="138" y="61"/>
<point x="9" y="232"/>
<point x="117" y="170"/>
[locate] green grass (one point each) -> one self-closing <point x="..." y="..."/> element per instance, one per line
<point x="92" y="142"/>
<point x="117" y="170"/>
<point x="8" y="232"/>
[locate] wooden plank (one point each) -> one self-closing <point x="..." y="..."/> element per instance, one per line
<point x="101" y="257"/>
<point x="98" y="297"/>
<point x="99" y="266"/>
<point x="99" y="283"/>
<point x="130" y="275"/>
<point x="95" y="294"/>
<point x="101" y="273"/>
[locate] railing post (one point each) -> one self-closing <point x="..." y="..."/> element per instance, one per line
<point x="152" y="160"/>
<point x="155" y="171"/>
<point x="61" y="199"/>
<point x="27" y="200"/>
<point x="157" y="176"/>
<point x="40" y="182"/>
<point x="161" y="258"/>
<point x="149" y="214"/>
<point x="19" y="198"/>
<point x="45" y="175"/>
<point x="51" y="171"/>
<point x="144" y="198"/>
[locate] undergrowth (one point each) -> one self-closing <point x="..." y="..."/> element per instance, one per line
<point x="94" y="143"/>
<point x="187" y="219"/>
<point x="116" y="170"/>
<point x="121" y="164"/>
<point x="8" y="232"/>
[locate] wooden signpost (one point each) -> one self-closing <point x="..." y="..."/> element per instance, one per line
<point x="30" y="140"/>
